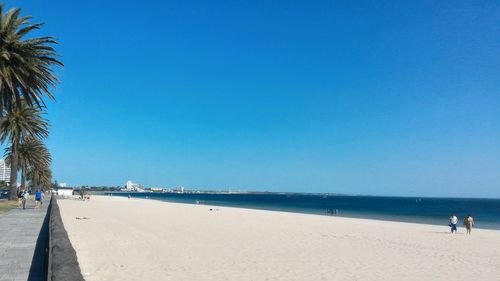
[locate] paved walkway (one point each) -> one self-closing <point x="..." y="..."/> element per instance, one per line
<point x="21" y="257"/>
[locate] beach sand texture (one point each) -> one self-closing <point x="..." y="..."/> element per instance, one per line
<point x="134" y="239"/>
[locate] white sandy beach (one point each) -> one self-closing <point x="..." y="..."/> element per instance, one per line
<point x="133" y="239"/>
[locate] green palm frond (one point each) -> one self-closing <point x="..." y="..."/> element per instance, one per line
<point x="32" y="154"/>
<point x="26" y="65"/>
<point x="40" y="177"/>
<point x="23" y="122"/>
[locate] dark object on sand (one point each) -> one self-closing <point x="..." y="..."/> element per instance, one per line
<point x="331" y="212"/>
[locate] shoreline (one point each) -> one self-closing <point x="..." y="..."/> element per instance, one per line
<point x="297" y="193"/>
<point x="120" y="239"/>
<point x="426" y="220"/>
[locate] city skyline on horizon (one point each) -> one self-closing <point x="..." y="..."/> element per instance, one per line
<point x="344" y="97"/>
<point x="234" y="189"/>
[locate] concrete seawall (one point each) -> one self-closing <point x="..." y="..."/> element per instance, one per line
<point x="62" y="261"/>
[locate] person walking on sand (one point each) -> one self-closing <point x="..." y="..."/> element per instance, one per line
<point x="453" y="223"/>
<point x="468" y="223"/>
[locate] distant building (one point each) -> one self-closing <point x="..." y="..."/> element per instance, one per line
<point x="4" y="171"/>
<point x="130" y="186"/>
<point x="179" y="189"/>
<point x="64" y="191"/>
<point x="63" y="184"/>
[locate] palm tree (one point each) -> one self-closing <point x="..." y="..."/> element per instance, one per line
<point x="26" y="65"/>
<point x="32" y="154"/>
<point x="21" y="122"/>
<point x="40" y="177"/>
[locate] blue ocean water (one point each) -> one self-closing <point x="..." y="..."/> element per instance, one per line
<point x="486" y="212"/>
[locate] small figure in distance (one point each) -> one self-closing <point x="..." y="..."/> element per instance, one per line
<point x="469" y="223"/>
<point x="38" y="199"/>
<point x="453" y="223"/>
<point x="25" y="198"/>
<point x="20" y="198"/>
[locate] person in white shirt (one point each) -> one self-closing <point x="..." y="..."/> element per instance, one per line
<point x="26" y="195"/>
<point x="453" y="223"/>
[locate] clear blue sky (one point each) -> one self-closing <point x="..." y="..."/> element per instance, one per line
<point x="358" y="97"/>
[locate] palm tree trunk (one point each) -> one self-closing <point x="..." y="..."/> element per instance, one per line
<point x="34" y="182"/>
<point x="23" y="177"/>
<point x="13" y="173"/>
